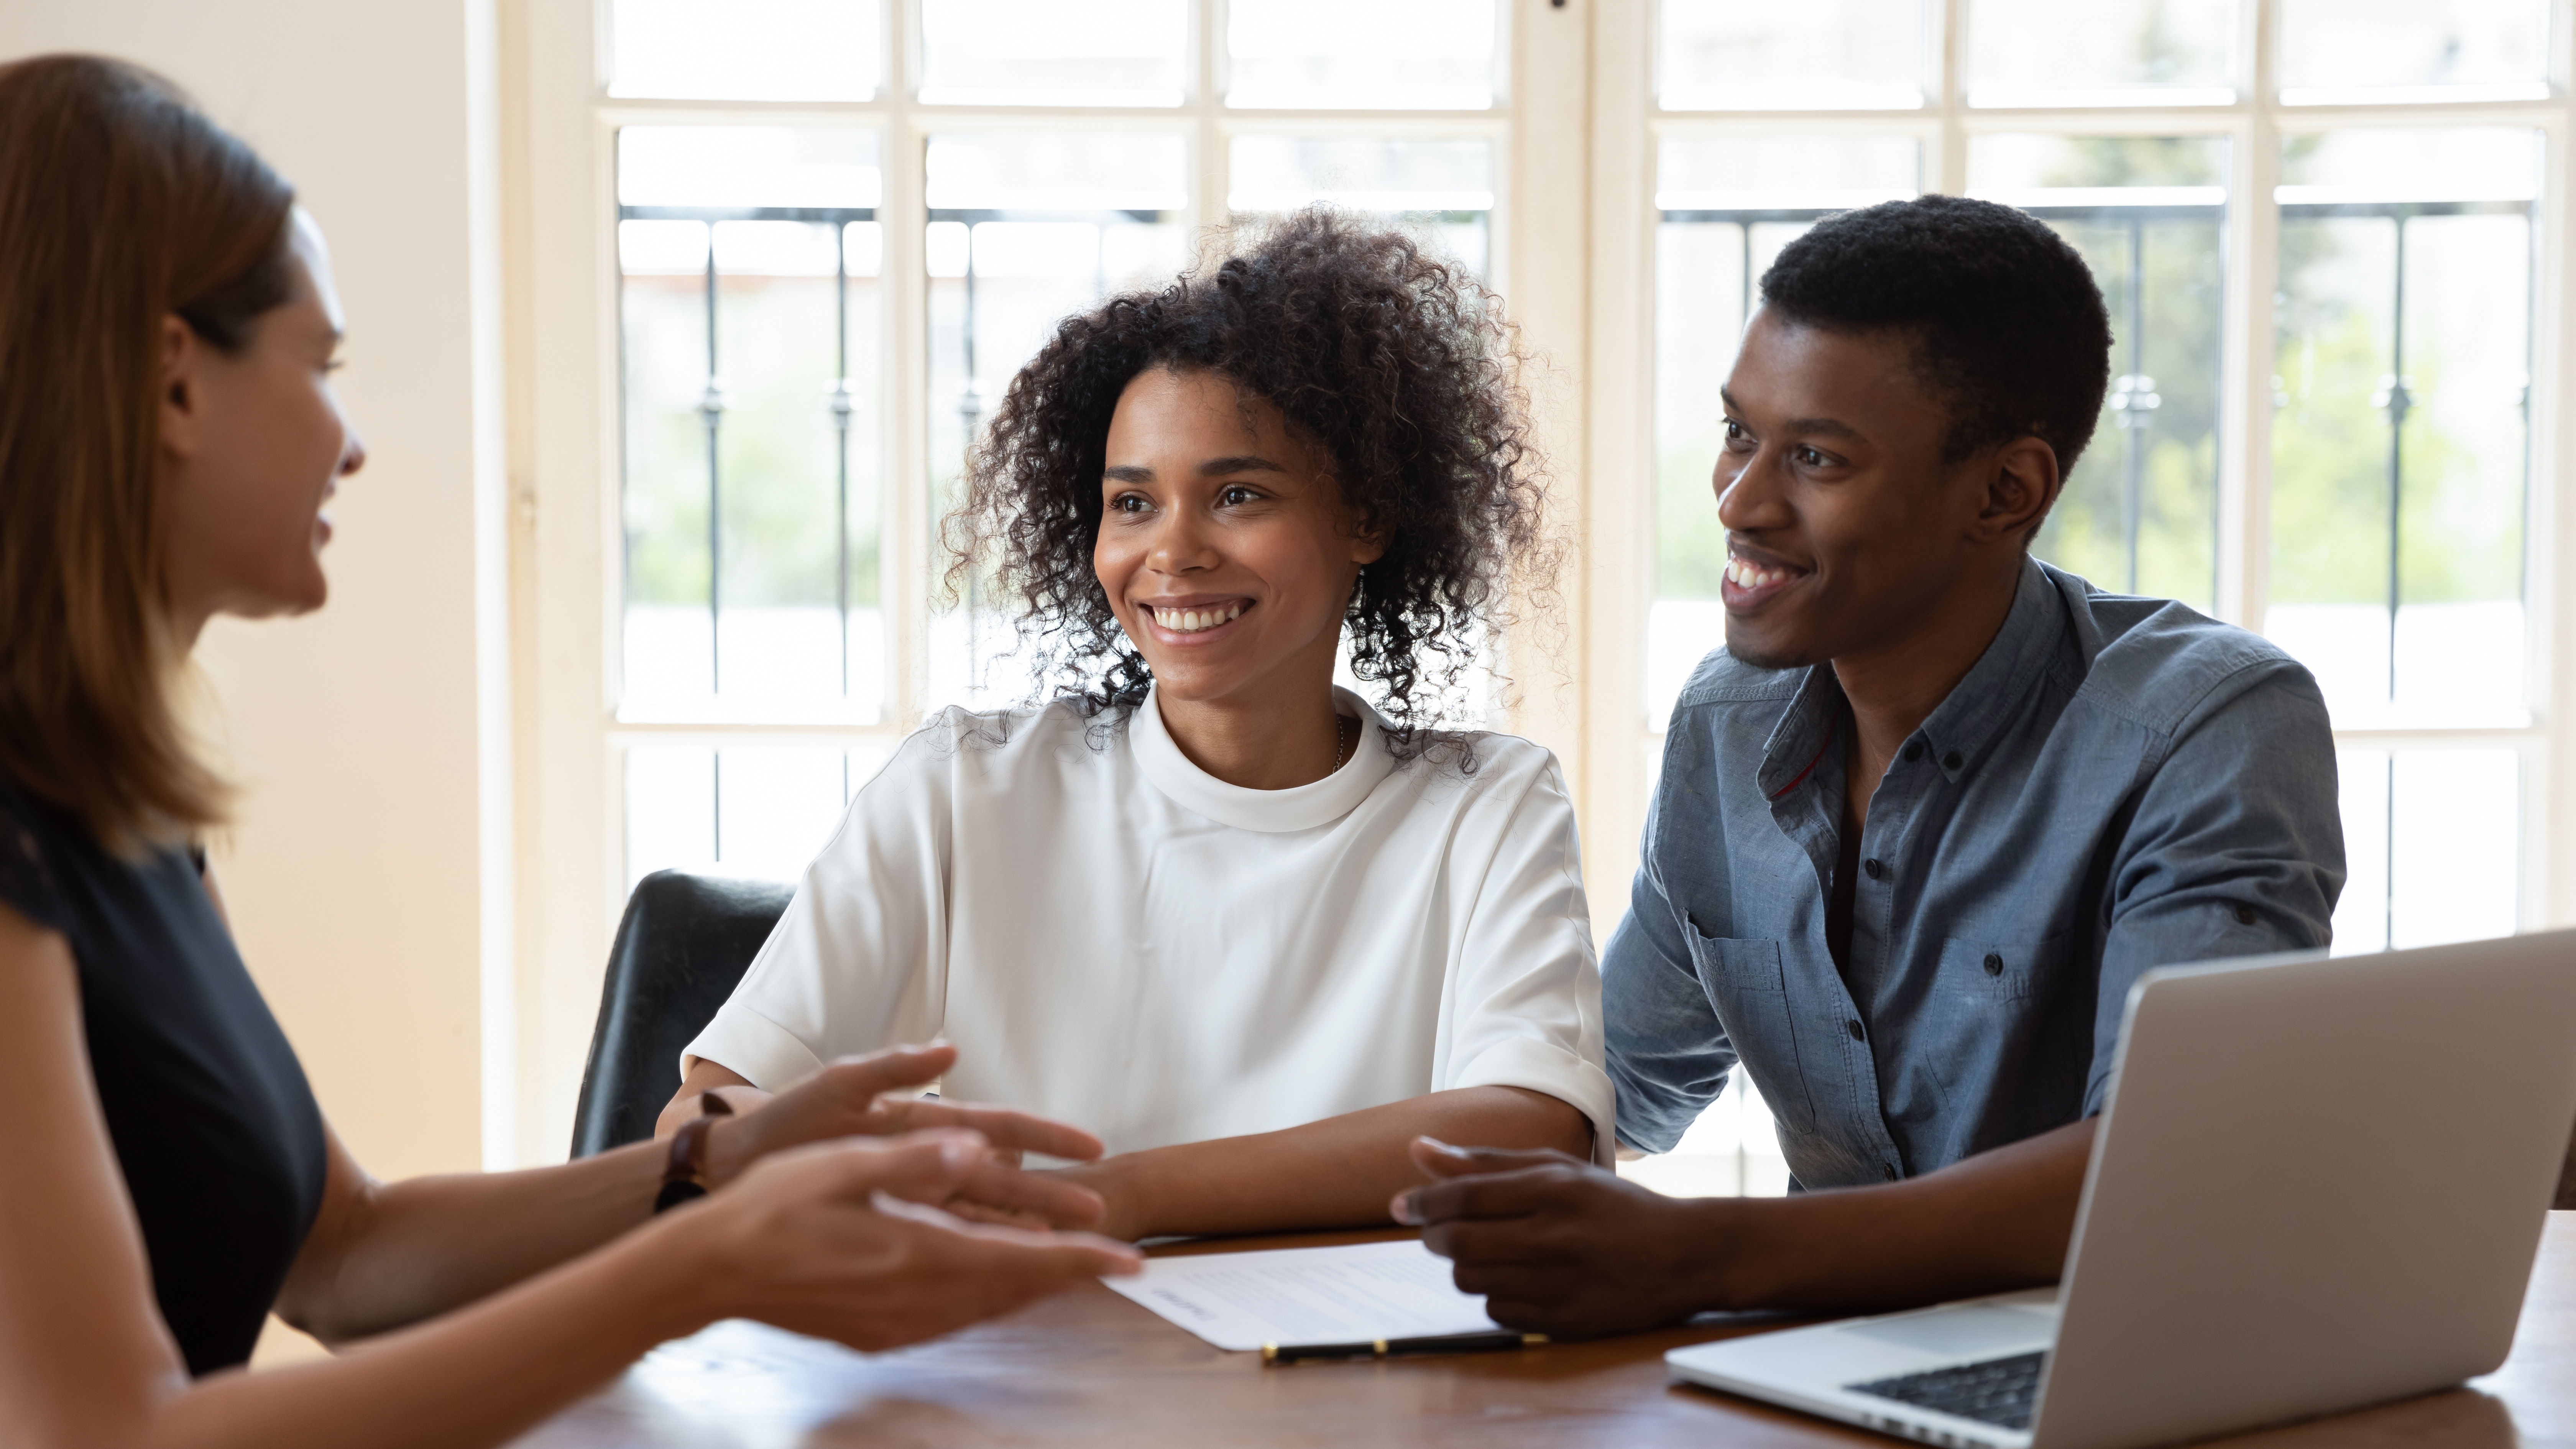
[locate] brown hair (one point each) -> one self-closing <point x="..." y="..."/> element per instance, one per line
<point x="120" y="205"/>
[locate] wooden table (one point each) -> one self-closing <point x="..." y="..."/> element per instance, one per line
<point x="1089" y="1367"/>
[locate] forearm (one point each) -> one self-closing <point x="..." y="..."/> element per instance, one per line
<point x="1338" y="1172"/>
<point x="1995" y="1222"/>
<point x="428" y="1245"/>
<point x="477" y="1377"/>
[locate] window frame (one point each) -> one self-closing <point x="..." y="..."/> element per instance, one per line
<point x="1575" y="125"/>
<point x="1622" y="750"/>
<point x="566" y="439"/>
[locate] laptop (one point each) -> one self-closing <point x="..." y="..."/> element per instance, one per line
<point x="2319" y="1185"/>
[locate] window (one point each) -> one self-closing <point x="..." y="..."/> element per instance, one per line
<point x="2320" y="254"/>
<point x="784" y="255"/>
<point x="820" y="237"/>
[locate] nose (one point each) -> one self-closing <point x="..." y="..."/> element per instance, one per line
<point x="353" y="456"/>
<point x="1180" y="546"/>
<point x="1751" y="499"/>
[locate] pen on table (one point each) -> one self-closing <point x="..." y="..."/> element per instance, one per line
<point x="1276" y="1353"/>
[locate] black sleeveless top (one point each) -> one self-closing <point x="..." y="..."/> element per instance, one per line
<point x="214" y="1125"/>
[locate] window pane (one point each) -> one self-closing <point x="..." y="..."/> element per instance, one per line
<point x="758" y="810"/>
<point x="1421" y="55"/>
<point x="2442" y="827"/>
<point x="1728" y="206"/>
<point x="1026" y="228"/>
<point x="2360" y="52"/>
<point x="746" y="50"/>
<point x="1721" y="55"/>
<point x="2400" y="427"/>
<point x="2107" y="52"/>
<point x="1054" y="52"/>
<point x="753" y="421"/>
<point x="1443" y="189"/>
<point x="2139" y="514"/>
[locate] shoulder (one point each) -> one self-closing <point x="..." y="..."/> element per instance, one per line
<point x="1722" y="680"/>
<point x="2164" y="665"/>
<point x="1476" y="769"/>
<point x="36" y="852"/>
<point x="959" y="740"/>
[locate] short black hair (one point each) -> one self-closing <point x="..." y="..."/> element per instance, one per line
<point x="2007" y="323"/>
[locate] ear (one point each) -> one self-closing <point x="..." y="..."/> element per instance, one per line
<point x="2022" y="483"/>
<point x="1367" y="545"/>
<point x="182" y="391"/>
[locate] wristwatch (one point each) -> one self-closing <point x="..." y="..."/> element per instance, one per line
<point x="684" y="1175"/>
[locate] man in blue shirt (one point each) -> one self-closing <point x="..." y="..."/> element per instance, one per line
<point x="1921" y="823"/>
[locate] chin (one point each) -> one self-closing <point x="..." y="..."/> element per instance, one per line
<point x="1761" y="653"/>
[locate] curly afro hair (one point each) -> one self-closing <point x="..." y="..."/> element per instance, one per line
<point x="1397" y="363"/>
<point x="2007" y="323"/>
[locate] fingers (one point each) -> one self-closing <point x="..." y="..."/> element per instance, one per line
<point x="1497" y="1195"/>
<point x="890" y="1070"/>
<point x="1035" y="1254"/>
<point x="1013" y="1191"/>
<point x="1440" y="1159"/>
<point x="1512" y="1242"/>
<point x="1007" y="1129"/>
<point x="920" y="1166"/>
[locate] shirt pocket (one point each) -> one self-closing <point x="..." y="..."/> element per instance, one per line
<point x="1992" y="1037"/>
<point x="1746" y="985"/>
<point x="1981" y="969"/>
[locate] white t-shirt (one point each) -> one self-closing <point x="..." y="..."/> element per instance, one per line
<point x="1115" y="938"/>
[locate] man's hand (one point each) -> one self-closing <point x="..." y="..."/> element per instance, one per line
<point x="1559" y="1247"/>
<point x="876" y="1096"/>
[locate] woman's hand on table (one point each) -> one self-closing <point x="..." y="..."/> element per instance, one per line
<point x="878" y="1096"/>
<point x="844" y="1240"/>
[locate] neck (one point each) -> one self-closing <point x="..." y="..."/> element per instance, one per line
<point x="1257" y="745"/>
<point x="1895" y="684"/>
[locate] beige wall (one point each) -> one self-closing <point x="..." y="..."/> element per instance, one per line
<point x="356" y="874"/>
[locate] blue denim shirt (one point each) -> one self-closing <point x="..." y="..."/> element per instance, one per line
<point x="2118" y="784"/>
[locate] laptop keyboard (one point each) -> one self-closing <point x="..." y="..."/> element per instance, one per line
<point x="1998" y="1391"/>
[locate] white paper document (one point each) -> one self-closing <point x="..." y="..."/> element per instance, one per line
<point x="1309" y="1295"/>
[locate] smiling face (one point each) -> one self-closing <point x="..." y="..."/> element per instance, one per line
<point x="1846" y="532"/>
<point x="1224" y="545"/>
<point x="253" y="444"/>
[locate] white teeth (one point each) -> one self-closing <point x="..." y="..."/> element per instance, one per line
<point x="1745" y="576"/>
<point x="1192" y="621"/>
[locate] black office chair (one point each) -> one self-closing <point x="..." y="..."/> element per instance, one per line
<point x="683" y="945"/>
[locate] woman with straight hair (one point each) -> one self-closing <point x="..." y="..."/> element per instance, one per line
<point x="168" y="436"/>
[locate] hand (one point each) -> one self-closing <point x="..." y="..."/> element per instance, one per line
<point x="871" y="1096"/>
<point x="840" y="1240"/>
<point x="1560" y="1247"/>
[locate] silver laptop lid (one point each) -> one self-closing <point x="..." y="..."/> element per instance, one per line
<point x="2320" y="1184"/>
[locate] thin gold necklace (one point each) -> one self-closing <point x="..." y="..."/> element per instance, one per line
<point x="1341" y="739"/>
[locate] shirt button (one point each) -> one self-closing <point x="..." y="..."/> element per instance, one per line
<point x="1890" y="1170"/>
<point x="2244" y="915"/>
<point x="1953" y="760"/>
<point x="1873" y="868"/>
<point x="1913" y="751"/>
<point x="1994" y="964"/>
<point x="1857" y="1033"/>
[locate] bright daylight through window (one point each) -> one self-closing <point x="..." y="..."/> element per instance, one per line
<point x="842" y="225"/>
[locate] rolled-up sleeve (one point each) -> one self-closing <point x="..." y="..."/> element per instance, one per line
<point x="1528" y="993"/>
<point x="2236" y="848"/>
<point x="854" y="965"/>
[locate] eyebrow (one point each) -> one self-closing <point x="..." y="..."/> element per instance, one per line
<point x="1212" y="468"/>
<point x="1824" y="427"/>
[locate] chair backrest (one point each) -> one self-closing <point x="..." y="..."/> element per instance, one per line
<point x="682" y="947"/>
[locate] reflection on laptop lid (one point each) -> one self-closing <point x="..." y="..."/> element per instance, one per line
<point x="2320" y="1185"/>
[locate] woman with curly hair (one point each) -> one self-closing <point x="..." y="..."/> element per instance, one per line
<point x="1255" y="933"/>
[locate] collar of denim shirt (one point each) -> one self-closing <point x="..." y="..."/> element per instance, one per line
<point x="1967" y="719"/>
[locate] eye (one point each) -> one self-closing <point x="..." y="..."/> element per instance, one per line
<point x="1128" y="503"/>
<point x="1234" y="495"/>
<point x="1736" y="437"/>
<point x="1810" y="458"/>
